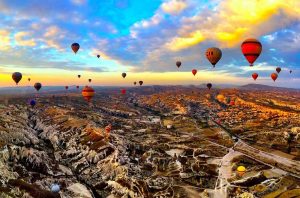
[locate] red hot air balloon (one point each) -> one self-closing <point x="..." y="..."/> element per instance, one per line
<point x="141" y="82"/>
<point x="278" y="69"/>
<point x="254" y="76"/>
<point x="88" y="93"/>
<point x="90" y="80"/>
<point x="123" y="91"/>
<point x="178" y="64"/>
<point x="66" y="87"/>
<point x="78" y="76"/>
<point x="213" y="54"/>
<point x="251" y="48"/>
<point x="75" y="47"/>
<point x="209" y="85"/>
<point x="16" y="76"/>
<point x="37" y="86"/>
<point x="194" y="71"/>
<point x="274" y="76"/>
<point x="124" y="75"/>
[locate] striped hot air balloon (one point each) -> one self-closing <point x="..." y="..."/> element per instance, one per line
<point x="88" y="93"/>
<point x="251" y="48"/>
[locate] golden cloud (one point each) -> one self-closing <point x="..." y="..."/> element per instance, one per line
<point x="19" y="38"/>
<point x="4" y="40"/>
<point x="173" y="6"/>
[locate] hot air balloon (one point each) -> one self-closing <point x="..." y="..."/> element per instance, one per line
<point x="141" y="82"/>
<point x="88" y="93"/>
<point x="66" y="87"/>
<point x="254" y="76"/>
<point x="251" y="48"/>
<point x="32" y="103"/>
<point x="178" y="64"/>
<point x="17" y="76"/>
<point x="278" y="69"/>
<point x="55" y="188"/>
<point x="77" y="87"/>
<point x="37" y="86"/>
<point x="291" y="71"/>
<point x="274" y="76"/>
<point x="241" y="170"/>
<point x="79" y="76"/>
<point x="194" y="71"/>
<point x="213" y="55"/>
<point x="232" y="103"/>
<point x="75" y="47"/>
<point x="90" y="80"/>
<point x="98" y="56"/>
<point x="134" y="83"/>
<point x="123" y="91"/>
<point x="209" y="85"/>
<point x="29" y="79"/>
<point x="124" y="75"/>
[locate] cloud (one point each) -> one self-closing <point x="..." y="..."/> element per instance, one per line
<point x="78" y="2"/>
<point x="4" y="40"/>
<point x="20" y="38"/>
<point x="174" y="7"/>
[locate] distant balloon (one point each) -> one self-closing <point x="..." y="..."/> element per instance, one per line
<point x="178" y="64"/>
<point x="251" y="48"/>
<point x="88" y="93"/>
<point x="274" y="76"/>
<point x="194" y="71"/>
<point x="66" y="87"/>
<point x="37" y="86"/>
<point x="241" y="170"/>
<point x="79" y="76"/>
<point x="29" y="79"/>
<point x="278" y="69"/>
<point x="291" y="71"/>
<point x="124" y="75"/>
<point x="17" y="76"/>
<point x="108" y="129"/>
<point x="32" y="103"/>
<point x="141" y="82"/>
<point x="232" y="102"/>
<point x="123" y="91"/>
<point x="75" y="47"/>
<point x="98" y="56"/>
<point x="134" y="83"/>
<point x="213" y="55"/>
<point x="77" y="87"/>
<point x="90" y="80"/>
<point x="209" y="85"/>
<point x="55" y="188"/>
<point x="254" y="76"/>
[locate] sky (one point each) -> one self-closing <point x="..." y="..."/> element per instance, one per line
<point x="145" y="38"/>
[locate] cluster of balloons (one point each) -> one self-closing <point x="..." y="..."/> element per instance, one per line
<point x="251" y="49"/>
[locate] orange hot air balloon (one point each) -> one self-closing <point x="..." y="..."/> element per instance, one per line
<point x="194" y="71"/>
<point x="66" y="87"/>
<point x="88" y="93"/>
<point x="251" y="48"/>
<point x="278" y="69"/>
<point x="209" y="85"/>
<point x="75" y="47"/>
<point x="241" y="170"/>
<point x="274" y="76"/>
<point x="37" y="86"/>
<point x="213" y="55"/>
<point x="178" y="64"/>
<point x="123" y="91"/>
<point x="16" y="76"/>
<point x="124" y="75"/>
<point x="254" y="76"/>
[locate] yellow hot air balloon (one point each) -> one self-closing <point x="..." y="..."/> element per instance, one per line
<point x="213" y="55"/>
<point x="241" y="170"/>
